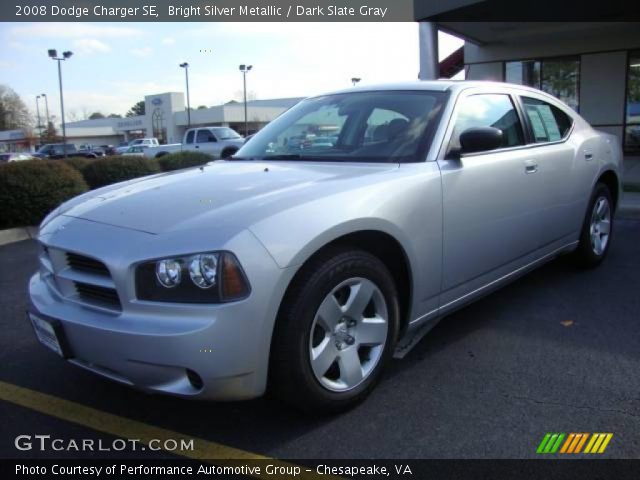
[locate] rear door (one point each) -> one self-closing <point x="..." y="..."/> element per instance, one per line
<point x="550" y="128"/>
<point x="491" y="200"/>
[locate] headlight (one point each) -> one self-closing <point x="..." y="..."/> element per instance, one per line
<point x="212" y="277"/>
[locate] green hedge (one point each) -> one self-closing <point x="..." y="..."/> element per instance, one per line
<point x="176" y="161"/>
<point x="78" y="163"/>
<point x="108" y="170"/>
<point x="31" y="189"/>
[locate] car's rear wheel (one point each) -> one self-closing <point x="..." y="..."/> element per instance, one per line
<point x="228" y="153"/>
<point x="335" y="332"/>
<point x="597" y="229"/>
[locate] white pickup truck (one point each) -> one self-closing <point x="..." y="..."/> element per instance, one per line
<point x="145" y="142"/>
<point x="220" y="142"/>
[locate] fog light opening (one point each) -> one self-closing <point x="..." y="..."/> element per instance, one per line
<point x="194" y="379"/>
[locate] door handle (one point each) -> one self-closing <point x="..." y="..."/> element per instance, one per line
<point x="588" y="156"/>
<point x="197" y="146"/>
<point x="530" y="167"/>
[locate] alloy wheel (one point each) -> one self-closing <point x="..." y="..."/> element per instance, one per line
<point x="600" y="227"/>
<point x="348" y="334"/>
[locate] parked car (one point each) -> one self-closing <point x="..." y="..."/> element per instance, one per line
<point x="14" y="157"/>
<point x="219" y="142"/>
<point x="148" y="142"/>
<point x="309" y="268"/>
<point x="56" y="150"/>
<point x="91" y="151"/>
<point x="135" y="151"/>
<point x="108" y="149"/>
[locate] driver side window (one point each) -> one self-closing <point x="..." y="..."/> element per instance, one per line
<point x="488" y="110"/>
<point x="205" y="136"/>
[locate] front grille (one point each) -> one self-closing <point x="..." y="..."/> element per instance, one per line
<point x="107" y="297"/>
<point x="86" y="264"/>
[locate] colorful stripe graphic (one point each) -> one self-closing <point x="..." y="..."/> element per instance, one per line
<point x="574" y="443"/>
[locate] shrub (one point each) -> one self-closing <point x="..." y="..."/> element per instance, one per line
<point x="31" y="189"/>
<point x="176" y="161"/>
<point x="108" y="170"/>
<point x="78" y="163"/>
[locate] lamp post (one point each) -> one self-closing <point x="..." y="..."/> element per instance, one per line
<point x="245" y="69"/>
<point x="46" y="106"/>
<point x="53" y="54"/>
<point x="39" y="126"/>
<point x="355" y="80"/>
<point x="185" y="65"/>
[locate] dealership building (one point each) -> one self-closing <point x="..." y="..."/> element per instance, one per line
<point x="166" y="119"/>
<point x="592" y="66"/>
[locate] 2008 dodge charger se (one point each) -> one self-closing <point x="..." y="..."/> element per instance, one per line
<point x="335" y="237"/>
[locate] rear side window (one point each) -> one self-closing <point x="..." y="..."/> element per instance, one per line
<point x="488" y="110"/>
<point x="190" y="136"/>
<point x="548" y="123"/>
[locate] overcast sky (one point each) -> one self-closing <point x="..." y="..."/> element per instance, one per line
<point x="116" y="64"/>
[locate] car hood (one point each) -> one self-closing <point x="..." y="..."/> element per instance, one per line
<point x="222" y="193"/>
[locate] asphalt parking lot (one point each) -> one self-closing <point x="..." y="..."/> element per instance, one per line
<point x="557" y="351"/>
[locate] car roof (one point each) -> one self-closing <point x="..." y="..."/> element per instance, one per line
<point x="432" y="85"/>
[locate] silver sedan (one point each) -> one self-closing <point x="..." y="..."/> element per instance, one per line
<point x="304" y="265"/>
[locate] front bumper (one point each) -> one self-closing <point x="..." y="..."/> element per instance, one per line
<point x="200" y="351"/>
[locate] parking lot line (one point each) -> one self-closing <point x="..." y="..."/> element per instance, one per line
<point x="127" y="428"/>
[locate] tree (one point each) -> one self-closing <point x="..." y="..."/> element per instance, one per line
<point x="96" y="116"/>
<point x="114" y="115"/>
<point x="202" y="107"/>
<point x="137" y="109"/>
<point x="14" y="114"/>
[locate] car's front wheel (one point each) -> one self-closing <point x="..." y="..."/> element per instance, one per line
<point x="595" y="237"/>
<point x="335" y="332"/>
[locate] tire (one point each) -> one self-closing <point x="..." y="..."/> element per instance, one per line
<point x="161" y="154"/>
<point x="598" y="224"/>
<point x="309" y="325"/>
<point x="227" y="154"/>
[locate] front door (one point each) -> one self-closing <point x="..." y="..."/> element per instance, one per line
<point x="490" y="199"/>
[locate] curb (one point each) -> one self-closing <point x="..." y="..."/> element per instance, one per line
<point x="13" y="235"/>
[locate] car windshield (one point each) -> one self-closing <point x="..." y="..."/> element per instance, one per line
<point x="382" y="126"/>
<point x="226" y="133"/>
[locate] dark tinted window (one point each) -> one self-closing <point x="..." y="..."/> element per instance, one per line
<point x="548" y="123"/>
<point x="488" y="110"/>
<point x="190" y="137"/>
<point x="205" y="136"/>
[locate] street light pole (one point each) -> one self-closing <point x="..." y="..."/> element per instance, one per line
<point x="53" y="54"/>
<point x="185" y="65"/>
<point x="355" y="80"/>
<point x="39" y="126"/>
<point x="245" y="69"/>
<point x="46" y="106"/>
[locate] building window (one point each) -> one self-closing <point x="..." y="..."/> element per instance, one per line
<point x="557" y="77"/>
<point x="159" y="130"/>
<point x="632" y="116"/>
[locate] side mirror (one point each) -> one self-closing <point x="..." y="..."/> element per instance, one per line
<point x="480" y="139"/>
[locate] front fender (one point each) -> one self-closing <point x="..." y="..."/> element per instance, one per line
<point x="408" y="207"/>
